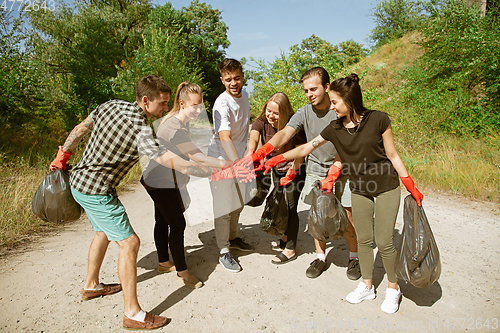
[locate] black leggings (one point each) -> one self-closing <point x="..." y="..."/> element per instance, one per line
<point x="169" y="211"/>
<point x="292" y="195"/>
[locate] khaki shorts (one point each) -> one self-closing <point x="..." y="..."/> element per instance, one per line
<point x="342" y="190"/>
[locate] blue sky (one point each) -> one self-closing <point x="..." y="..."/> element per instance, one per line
<point x="265" y="28"/>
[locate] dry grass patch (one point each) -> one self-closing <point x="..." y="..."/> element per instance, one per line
<point x="469" y="167"/>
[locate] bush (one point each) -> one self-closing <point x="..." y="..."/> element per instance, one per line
<point x="454" y="87"/>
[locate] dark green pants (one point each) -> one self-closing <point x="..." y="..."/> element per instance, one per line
<point x="376" y="215"/>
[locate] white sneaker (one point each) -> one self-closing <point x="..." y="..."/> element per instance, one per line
<point x="361" y="293"/>
<point x="391" y="301"/>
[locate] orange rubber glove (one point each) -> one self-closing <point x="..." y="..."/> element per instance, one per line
<point x="60" y="161"/>
<point x="289" y="177"/>
<point x="227" y="164"/>
<point x="262" y="152"/>
<point x="258" y="156"/>
<point x="272" y="162"/>
<point x="243" y="172"/>
<point x="333" y="174"/>
<point x="410" y="186"/>
<point x="218" y="174"/>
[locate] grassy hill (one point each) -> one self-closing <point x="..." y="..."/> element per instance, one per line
<point x="458" y="163"/>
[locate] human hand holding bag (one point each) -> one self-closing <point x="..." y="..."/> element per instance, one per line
<point x="289" y="177"/>
<point x="410" y="186"/>
<point x="272" y="162"/>
<point x="60" y="161"/>
<point x="333" y="175"/>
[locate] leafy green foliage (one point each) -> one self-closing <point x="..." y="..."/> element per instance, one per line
<point x="284" y="73"/>
<point x="83" y="46"/>
<point x="455" y="84"/>
<point x="395" y="18"/>
<point x="178" y="46"/>
<point x="20" y="81"/>
<point x="210" y="37"/>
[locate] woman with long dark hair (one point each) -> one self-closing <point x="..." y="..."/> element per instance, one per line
<point x="366" y="153"/>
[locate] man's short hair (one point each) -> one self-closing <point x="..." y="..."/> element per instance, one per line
<point x="229" y="65"/>
<point x="319" y="71"/>
<point x="151" y="86"/>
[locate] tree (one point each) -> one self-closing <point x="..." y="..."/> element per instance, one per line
<point x="19" y="82"/>
<point x="284" y="73"/>
<point x="394" y="18"/>
<point x="180" y="45"/>
<point x="167" y="51"/>
<point x="82" y="48"/>
<point x="210" y="34"/>
<point x="458" y="71"/>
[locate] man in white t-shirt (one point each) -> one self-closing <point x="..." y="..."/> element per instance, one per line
<point x="231" y="119"/>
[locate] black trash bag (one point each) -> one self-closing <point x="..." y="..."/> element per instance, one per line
<point x="53" y="201"/>
<point x="274" y="219"/>
<point x="258" y="189"/>
<point x="327" y="218"/>
<point x="418" y="260"/>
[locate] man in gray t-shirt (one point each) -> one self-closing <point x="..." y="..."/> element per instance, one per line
<point x="313" y="118"/>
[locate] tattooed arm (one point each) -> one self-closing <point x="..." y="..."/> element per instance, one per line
<point x="78" y="133"/>
<point x="305" y="149"/>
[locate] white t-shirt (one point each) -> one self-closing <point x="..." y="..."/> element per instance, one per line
<point x="230" y="114"/>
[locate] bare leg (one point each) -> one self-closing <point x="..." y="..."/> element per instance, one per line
<point x="393" y="285"/>
<point x="185" y="274"/>
<point x="320" y="246"/>
<point x="167" y="264"/>
<point x="97" y="251"/>
<point x="350" y="233"/>
<point x="369" y="283"/>
<point x="127" y="271"/>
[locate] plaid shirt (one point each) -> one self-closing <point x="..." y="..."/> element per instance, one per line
<point x="119" y="136"/>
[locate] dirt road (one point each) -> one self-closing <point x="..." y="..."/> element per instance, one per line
<point x="41" y="283"/>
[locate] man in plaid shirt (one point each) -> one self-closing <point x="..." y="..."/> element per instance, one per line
<point x="119" y="135"/>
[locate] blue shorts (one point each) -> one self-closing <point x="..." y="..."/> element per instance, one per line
<point x="106" y="214"/>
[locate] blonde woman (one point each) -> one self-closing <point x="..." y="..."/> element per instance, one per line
<point x="274" y="116"/>
<point x="167" y="187"/>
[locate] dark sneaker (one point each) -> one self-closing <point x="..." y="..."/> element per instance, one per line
<point x="239" y="244"/>
<point x="317" y="267"/>
<point x="353" y="270"/>
<point x="227" y="261"/>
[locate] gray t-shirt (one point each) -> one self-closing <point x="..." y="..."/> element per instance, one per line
<point x="312" y="121"/>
